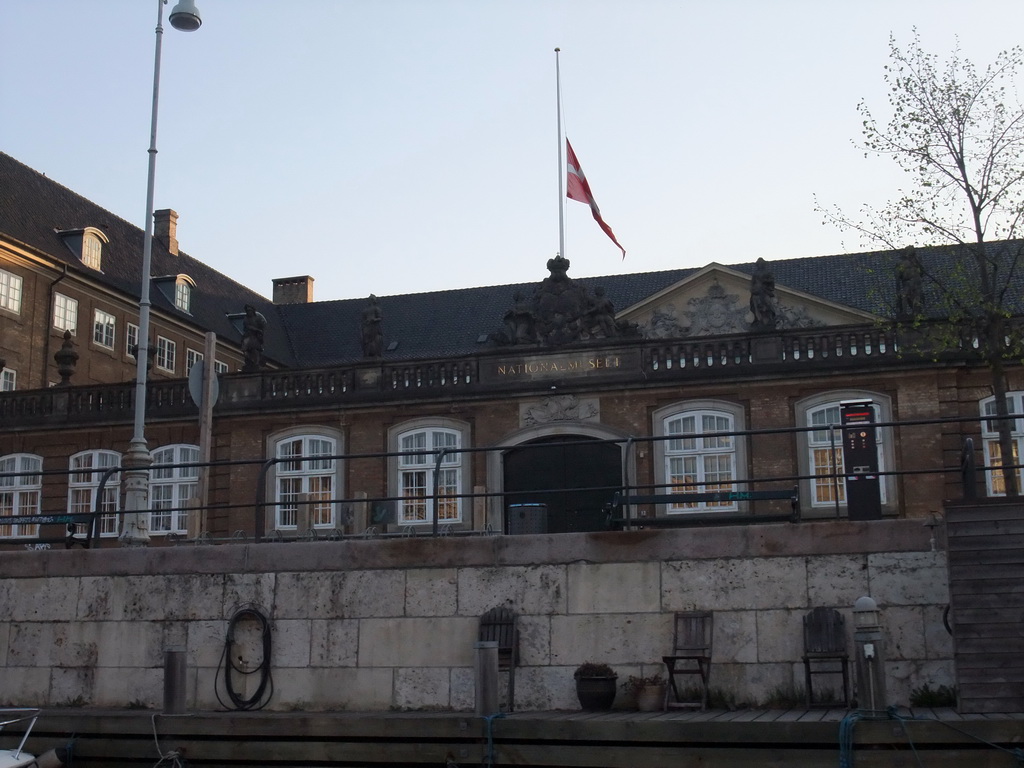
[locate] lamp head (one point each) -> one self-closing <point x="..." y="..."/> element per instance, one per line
<point x="865" y="612"/>
<point x="185" y="16"/>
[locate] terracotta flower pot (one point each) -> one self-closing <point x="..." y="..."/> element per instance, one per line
<point x="650" y="698"/>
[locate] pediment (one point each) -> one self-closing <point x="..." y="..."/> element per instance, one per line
<point x="716" y="300"/>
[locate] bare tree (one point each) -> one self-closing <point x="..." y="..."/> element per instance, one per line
<point x="958" y="133"/>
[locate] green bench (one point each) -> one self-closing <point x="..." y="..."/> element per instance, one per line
<point x="616" y="520"/>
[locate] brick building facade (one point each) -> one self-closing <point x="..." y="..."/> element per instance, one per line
<point x="455" y="411"/>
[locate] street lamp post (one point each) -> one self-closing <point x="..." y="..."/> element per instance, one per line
<point x="184" y="16"/>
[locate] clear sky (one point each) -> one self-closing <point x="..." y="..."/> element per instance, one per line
<point x="398" y="146"/>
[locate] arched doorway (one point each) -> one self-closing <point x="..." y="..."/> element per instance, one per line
<point x="574" y="475"/>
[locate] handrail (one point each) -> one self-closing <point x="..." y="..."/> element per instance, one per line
<point x="966" y="470"/>
<point x="20" y="714"/>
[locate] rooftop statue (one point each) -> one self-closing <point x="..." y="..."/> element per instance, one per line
<point x="253" y="326"/>
<point x="372" y="333"/>
<point x="762" y="297"/>
<point x="909" y="280"/>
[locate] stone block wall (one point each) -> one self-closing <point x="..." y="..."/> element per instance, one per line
<point x="390" y="623"/>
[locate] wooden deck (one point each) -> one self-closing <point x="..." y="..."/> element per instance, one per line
<point x="795" y="738"/>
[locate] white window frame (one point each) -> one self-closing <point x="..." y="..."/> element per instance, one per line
<point x="714" y="463"/>
<point x="182" y="295"/>
<point x="8" y="380"/>
<point x="21" y="495"/>
<point x="131" y="338"/>
<point x="166" y="352"/>
<point x="316" y="481"/>
<point x="92" y="251"/>
<point x="411" y="475"/>
<point x="191" y="358"/>
<point x="994" y="485"/>
<point x="823" y="410"/>
<point x="104" y="327"/>
<point x="86" y="469"/>
<point x="65" y="313"/>
<point x="219" y="366"/>
<point x="11" y="291"/>
<point x="172" y="488"/>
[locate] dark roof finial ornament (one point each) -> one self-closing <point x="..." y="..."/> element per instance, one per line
<point x="66" y="358"/>
<point x="561" y="311"/>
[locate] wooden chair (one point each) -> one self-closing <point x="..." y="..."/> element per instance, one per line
<point x="690" y="658"/>
<point x="825" y="652"/>
<point x="499" y="625"/>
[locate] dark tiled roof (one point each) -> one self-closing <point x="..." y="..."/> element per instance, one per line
<point x="33" y="208"/>
<point x="424" y="325"/>
<point x="446" y="323"/>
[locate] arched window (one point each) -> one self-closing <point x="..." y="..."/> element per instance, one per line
<point x="92" y="250"/>
<point x="87" y="468"/>
<point x="415" y="470"/>
<point x="171" y="488"/>
<point x="699" y="458"/>
<point x="821" y="449"/>
<point x="990" y="437"/>
<point x="20" y="490"/>
<point x="183" y="293"/>
<point x="306" y="479"/>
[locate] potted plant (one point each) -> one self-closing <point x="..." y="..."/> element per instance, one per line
<point x="648" y="692"/>
<point x="595" y="685"/>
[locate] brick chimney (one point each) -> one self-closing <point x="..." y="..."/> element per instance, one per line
<point x="293" y="290"/>
<point x="165" y="229"/>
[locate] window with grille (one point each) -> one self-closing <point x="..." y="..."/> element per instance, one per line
<point x="191" y="358"/>
<point x="20" y="490"/>
<point x="103" y="328"/>
<point x="994" y="481"/>
<point x="131" y="339"/>
<point x="10" y="291"/>
<point x="418" y="471"/>
<point x="821" y="449"/>
<point x="306" y="475"/>
<point x="182" y="295"/>
<point x="87" y="469"/>
<point x="92" y="251"/>
<point x="165" y="354"/>
<point x="65" y="313"/>
<point x="700" y="460"/>
<point x="171" y="488"/>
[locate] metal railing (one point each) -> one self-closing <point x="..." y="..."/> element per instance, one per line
<point x="966" y="473"/>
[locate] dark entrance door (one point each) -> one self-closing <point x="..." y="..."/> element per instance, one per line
<point x="574" y="476"/>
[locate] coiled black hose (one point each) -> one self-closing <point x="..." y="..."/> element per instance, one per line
<point x="265" y="689"/>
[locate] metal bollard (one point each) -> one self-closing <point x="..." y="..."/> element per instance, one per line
<point x="174" y="680"/>
<point x="486" y="677"/>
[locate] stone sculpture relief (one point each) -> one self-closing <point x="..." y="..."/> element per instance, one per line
<point x="561" y="311"/>
<point x="558" y="408"/>
<point x="719" y="312"/>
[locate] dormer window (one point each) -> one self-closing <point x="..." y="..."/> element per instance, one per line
<point x="87" y="245"/>
<point x="182" y="295"/>
<point x="92" y="251"/>
<point x="177" y="289"/>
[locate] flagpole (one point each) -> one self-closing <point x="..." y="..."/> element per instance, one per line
<point x="561" y="171"/>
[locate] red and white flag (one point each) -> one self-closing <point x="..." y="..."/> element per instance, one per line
<point x="577" y="188"/>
